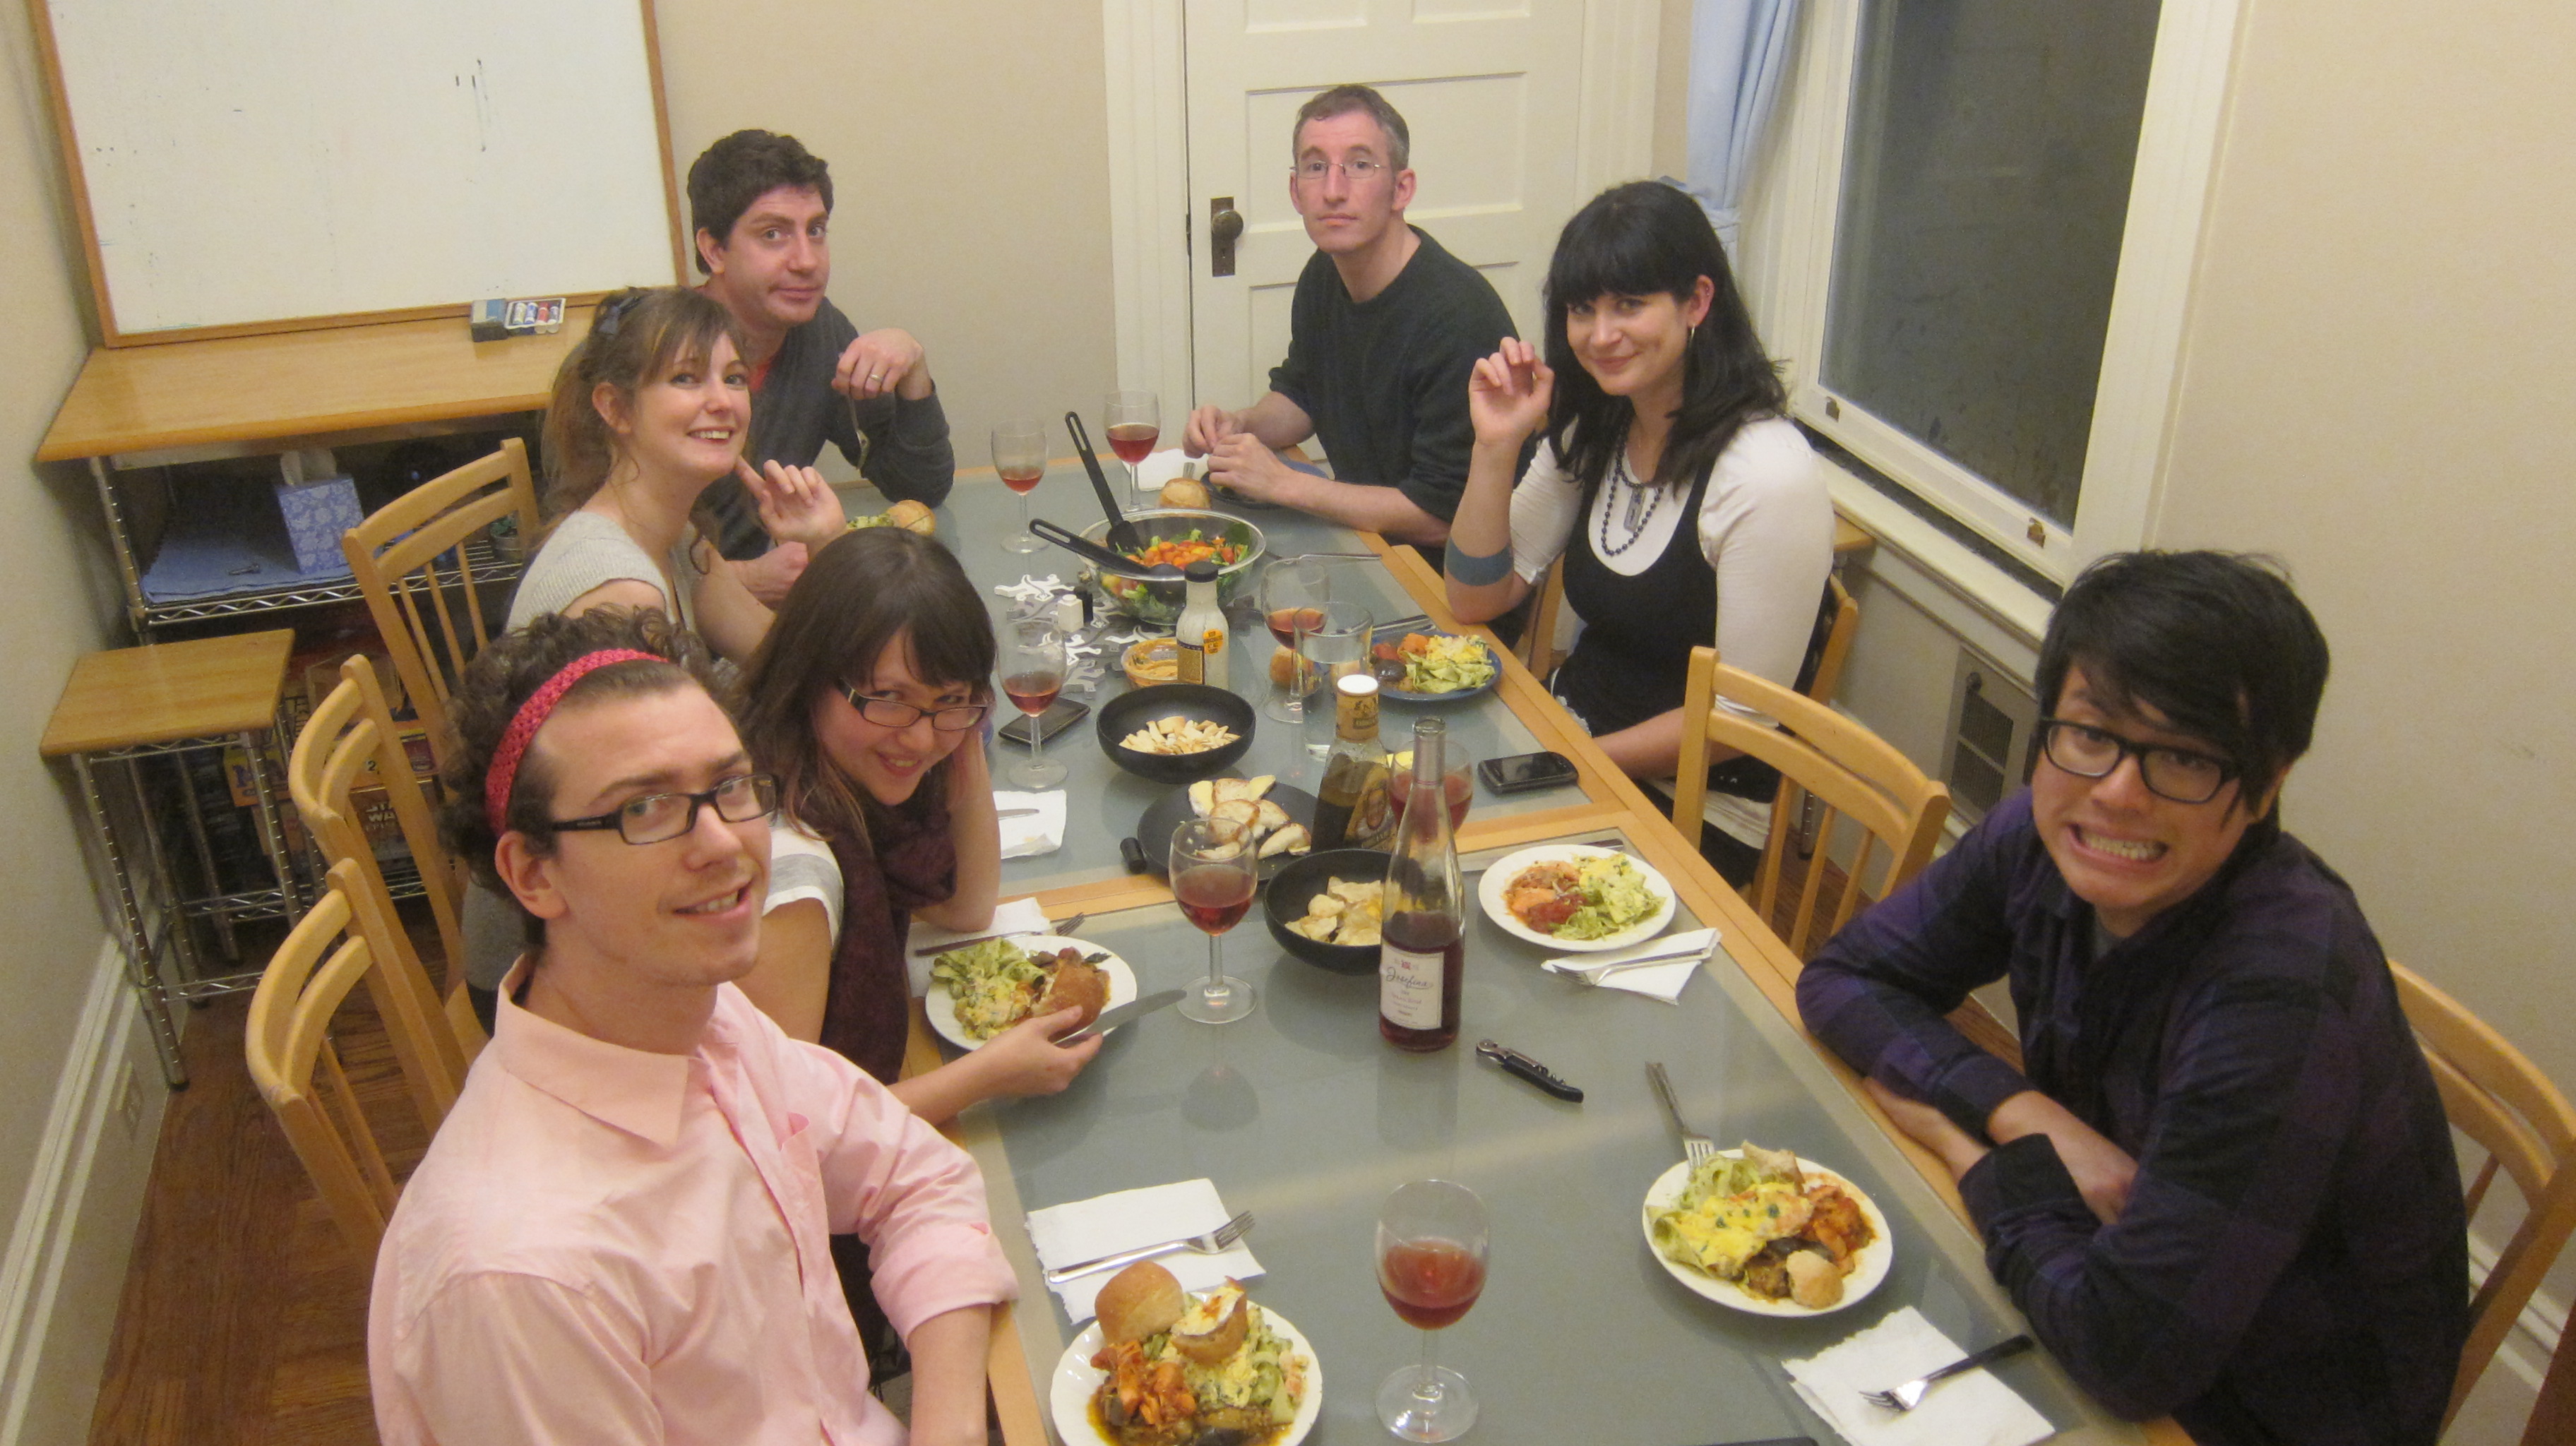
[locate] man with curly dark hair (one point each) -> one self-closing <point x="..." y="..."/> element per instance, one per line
<point x="622" y="1230"/>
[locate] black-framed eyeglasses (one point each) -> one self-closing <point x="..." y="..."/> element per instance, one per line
<point x="2178" y="774"/>
<point x="660" y="817"/>
<point x="896" y="713"/>
<point x="1359" y="171"/>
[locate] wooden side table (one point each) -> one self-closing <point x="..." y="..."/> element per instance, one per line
<point x="125" y="705"/>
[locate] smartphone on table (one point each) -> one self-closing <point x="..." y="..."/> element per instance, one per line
<point x="1526" y="772"/>
<point x="1060" y="715"/>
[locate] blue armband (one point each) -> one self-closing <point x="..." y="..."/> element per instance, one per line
<point x="1477" y="571"/>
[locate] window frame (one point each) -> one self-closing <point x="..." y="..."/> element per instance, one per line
<point x="1788" y="269"/>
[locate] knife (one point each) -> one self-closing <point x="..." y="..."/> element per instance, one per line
<point x="1529" y="1069"/>
<point x="1133" y="1009"/>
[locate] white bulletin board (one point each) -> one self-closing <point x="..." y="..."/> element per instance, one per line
<point x="265" y="165"/>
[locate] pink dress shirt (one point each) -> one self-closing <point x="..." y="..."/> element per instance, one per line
<point x="607" y="1245"/>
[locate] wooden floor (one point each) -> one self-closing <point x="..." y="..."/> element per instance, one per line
<point x="244" y="1318"/>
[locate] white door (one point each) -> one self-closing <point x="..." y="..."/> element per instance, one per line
<point x="1491" y="91"/>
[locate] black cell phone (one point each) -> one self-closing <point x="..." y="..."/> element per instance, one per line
<point x="1059" y="716"/>
<point x="1526" y="772"/>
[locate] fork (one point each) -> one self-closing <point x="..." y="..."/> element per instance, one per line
<point x="1591" y="975"/>
<point x="1695" y="1146"/>
<point x="1215" y="1240"/>
<point x="1910" y="1395"/>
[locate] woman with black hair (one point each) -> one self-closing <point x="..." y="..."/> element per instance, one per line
<point x="1687" y="510"/>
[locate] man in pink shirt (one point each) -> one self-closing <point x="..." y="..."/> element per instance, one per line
<point x="622" y="1231"/>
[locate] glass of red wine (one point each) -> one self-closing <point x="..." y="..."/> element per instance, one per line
<point x="1133" y="420"/>
<point x="1458" y="780"/>
<point x="1293" y="594"/>
<point x="1431" y="1265"/>
<point x="1211" y="871"/>
<point x="1019" y="454"/>
<point x="1032" y="674"/>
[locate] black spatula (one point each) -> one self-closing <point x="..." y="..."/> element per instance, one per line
<point x="1101" y="557"/>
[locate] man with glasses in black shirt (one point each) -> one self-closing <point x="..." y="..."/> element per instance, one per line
<point x="2220" y="1183"/>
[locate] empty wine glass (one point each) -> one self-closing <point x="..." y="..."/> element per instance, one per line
<point x="1293" y="594"/>
<point x="1133" y="421"/>
<point x="1032" y="674"/>
<point x="1212" y="879"/>
<point x="1431" y="1239"/>
<point x="1019" y="454"/>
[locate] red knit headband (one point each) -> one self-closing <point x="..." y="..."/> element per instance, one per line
<point x="532" y="715"/>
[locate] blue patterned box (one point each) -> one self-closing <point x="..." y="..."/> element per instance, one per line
<point x="317" y="512"/>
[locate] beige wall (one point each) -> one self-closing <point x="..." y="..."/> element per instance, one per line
<point x="2375" y="386"/>
<point x="970" y="170"/>
<point x="1672" y="91"/>
<point x="58" y="605"/>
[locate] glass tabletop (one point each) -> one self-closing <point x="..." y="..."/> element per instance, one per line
<point x="1103" y="801"/>
<point x="1303" y="1116"/>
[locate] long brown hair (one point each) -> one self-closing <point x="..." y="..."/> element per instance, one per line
<point x="854" y="600"/>
<point x="636" y="336"/>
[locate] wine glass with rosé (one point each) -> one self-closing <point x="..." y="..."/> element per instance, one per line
<point x="1212" y="879"/>
<point x="1133" y="421"/>
<point x="1293" y="593"/>
<point x="1019" y="454"/>
<point x="1431" y="1265"/>
<point x="1032" y="674"/>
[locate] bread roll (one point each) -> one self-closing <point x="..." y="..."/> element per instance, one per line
<point x="1077" y="986"/>
<point x="1283" y="668"/>
<point x="1184" y="492"/>
<point x="1214" y="1328"/>
<point x="1138" y="1301"/>
<point x="912" y="515"/>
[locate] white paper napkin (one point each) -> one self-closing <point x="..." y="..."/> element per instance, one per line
<point x="1655" y="981"/>
<point x="1019" y="916"/>
<point x="1041" y="832"/>
<point x="1107" y="1224"/>
<point x="1161" y="467"/>
<point x="1973" y="1409"/>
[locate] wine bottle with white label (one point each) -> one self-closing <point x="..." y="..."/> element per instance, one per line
<point x="1422" y="948"/>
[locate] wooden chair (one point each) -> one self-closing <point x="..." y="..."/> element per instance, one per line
<point x="412" y="567"/>
<point x="1849" y="771"/>
<point x="350" y="753"/>
<point x="1836" y="623"/>
<point x="342" y="940"/>
<point x="2500" y="1099"/>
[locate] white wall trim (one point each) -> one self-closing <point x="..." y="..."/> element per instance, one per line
<point x="57" y="1207"/>
<point x="1150" y="205"/>
<point x="1149" y="197"/>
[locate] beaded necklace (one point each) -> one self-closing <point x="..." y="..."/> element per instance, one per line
<point x="1642" y="503"/>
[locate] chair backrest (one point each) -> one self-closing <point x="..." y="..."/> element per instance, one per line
<point x="340" y="941"/>
<point x="2501" y="1100"/>
<point x="1849" y="771"/>
<point x="1836" y="621"/>
<point x="420" y="582"/>
<point x="349" y="757"/>
<point x="1538" y="622"/>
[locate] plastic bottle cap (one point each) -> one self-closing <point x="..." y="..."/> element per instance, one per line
<point x="1357" y="684"/>
<point x="1202" y="570"/>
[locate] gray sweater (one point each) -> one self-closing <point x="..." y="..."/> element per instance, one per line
<point x="900" y="447"/>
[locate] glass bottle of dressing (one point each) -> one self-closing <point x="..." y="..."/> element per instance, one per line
<point x="1353" y="809"/>
<point x="1422" y="951"/>
<point x="1201" y="632"/>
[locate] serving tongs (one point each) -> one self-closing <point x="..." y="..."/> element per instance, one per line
<point x="1122" y="533"/>
<point x="1101" y="557"/>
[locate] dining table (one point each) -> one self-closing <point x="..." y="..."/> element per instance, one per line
<point x="1303" y="1115"/>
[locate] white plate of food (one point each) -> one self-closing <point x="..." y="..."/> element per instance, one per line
<point x="1007" y="1005"/>
<point x="1524" y="891"/>
<point x="1077" y="1380"/>
<point x="1868" y="1263"/>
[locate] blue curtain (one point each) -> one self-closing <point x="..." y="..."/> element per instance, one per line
<point x="1739" y="52"/>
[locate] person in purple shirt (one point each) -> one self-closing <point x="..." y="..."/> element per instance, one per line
<point x="2220" y="1184"/>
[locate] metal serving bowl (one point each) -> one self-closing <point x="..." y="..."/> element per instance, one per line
<point x="1160" y="603"/>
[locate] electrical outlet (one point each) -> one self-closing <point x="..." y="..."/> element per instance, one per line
<point x="129" y="1100"/>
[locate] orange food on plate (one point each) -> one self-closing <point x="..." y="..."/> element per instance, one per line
<point x="1543" y="896"/>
